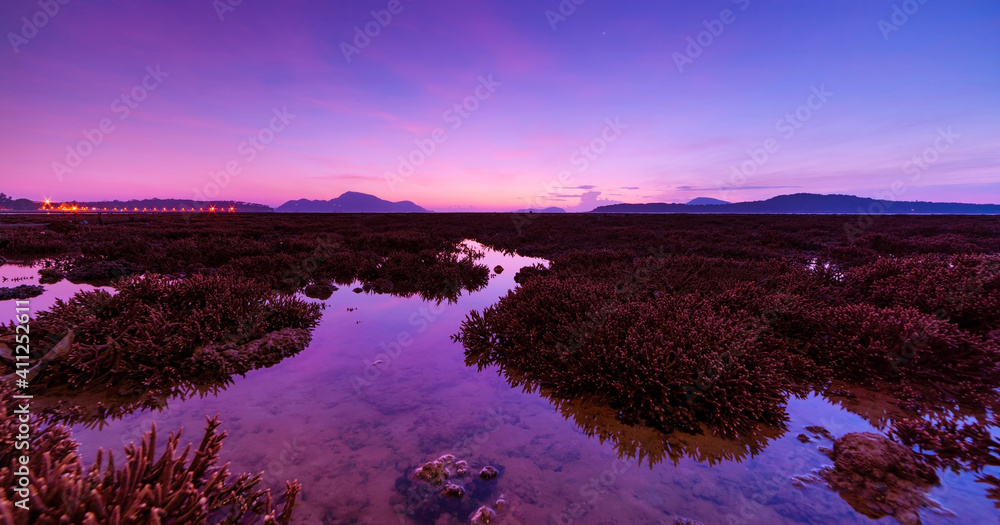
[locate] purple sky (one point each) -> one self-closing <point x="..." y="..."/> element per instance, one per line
<point x="611" y="102"/>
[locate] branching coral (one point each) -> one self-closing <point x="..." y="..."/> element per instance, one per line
<point x="177" y="487"/>
<point x="157" y="336"/>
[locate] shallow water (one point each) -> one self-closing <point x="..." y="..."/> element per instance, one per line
<point x="348" y="429"/>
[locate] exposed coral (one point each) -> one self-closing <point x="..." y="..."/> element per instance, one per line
<point x="671" y="362"/>
<point x="50" y="275"/>
<point x="98" y="271"/>
<point x="879" y="477"/>
<point x="156" y="335"/>
<point x="176" y="487"/>
<point x="24" y="291"/>
<point x="321" y="291"/>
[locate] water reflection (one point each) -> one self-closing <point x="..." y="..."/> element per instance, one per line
<point x="647" y="444"/>
<point x="305" y="419"/>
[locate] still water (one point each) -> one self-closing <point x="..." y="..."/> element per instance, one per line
<point x="382" y="389"/>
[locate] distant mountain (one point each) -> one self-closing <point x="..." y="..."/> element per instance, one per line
<point x="706" y="201"/>
<point x="551" y="209"/>
<point x="350" y="202"/>
<point x="812" y="203"/>
<point x="9" y="204"/>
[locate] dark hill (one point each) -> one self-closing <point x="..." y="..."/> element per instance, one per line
<point x="351" y="202"/>
<point x="811" y="203"/>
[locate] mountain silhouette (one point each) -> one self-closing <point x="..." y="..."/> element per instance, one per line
<point x="812" y="203"/>
<point x="350" y="202"/>
<point x="706" y="201"/>
<point x="551" y="209"/>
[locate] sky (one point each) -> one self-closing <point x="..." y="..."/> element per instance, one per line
<point x="473" y="105"/>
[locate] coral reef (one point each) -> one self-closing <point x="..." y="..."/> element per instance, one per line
<point x="157" y="335"/>
<point x="176" y="487"/>
<point x="24" y="291"/>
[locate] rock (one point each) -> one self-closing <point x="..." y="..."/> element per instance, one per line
<point x="879" y="477"/>
<point x="24" y="291"/>
<point x="803" y="438"/>
<point x="436" y="472"/>
<point x="431" y="493"/>
<point x="498" y="269"/>
<point x="451" y="490"/>
<point x="488" y="473"/>
<point x="483" y="516"/>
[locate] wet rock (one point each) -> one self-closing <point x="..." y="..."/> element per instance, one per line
<point x="436" y="472"/>
<point x="501" y="504"/>
<point x="879" y="477"/>
<point x="431" y="493"/>
<point x="488" y="473"/>
<point x="483" y="516"/>
<point x="803" y="438"/>
<point x="498" y="270"/>
<point x="23" y="291"/>
<point x="451" y="490"/>
<point x="321" y="291"/>
<point x="358" y="290"/>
